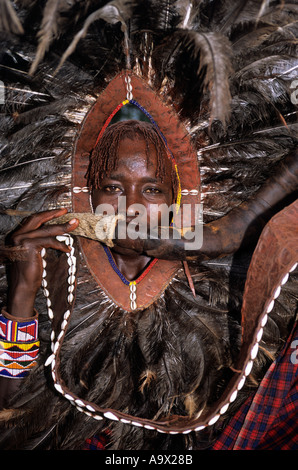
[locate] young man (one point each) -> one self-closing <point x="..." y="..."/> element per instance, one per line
<point x="168" y="354"/>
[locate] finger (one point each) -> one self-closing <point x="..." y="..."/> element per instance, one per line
<point x="36" y="220"/>
<point x="37" y="244"/>
<point x="46" y="231"/>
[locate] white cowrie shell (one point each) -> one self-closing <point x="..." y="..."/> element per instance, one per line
<point x="270" y="306"/>
<point x="254" y="351"/>
<point x="277" y="292"/>
<point x="213" y="420"/>
<point x="110" y="415"/>
<point x="248" y="368"/>
<point x="224" y="408"/>
<point x="58" y="388"/>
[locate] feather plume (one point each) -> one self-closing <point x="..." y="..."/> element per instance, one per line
<point x="48" y="31"/>
<point x="113" y="12"/>
<point x="187" y="10"/>
<point x="9" y="21"/>
<point x="213" y="53"/>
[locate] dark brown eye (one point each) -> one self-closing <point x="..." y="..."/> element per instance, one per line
<point x="111" y="189"/>
<point x="152" y="190"/>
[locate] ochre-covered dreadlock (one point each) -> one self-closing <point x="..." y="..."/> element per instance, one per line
<point x="104" y="157"/>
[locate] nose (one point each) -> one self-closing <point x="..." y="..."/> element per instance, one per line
<point x="134" y="204"/>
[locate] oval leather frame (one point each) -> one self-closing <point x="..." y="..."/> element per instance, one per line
<point x="178" y="141"/>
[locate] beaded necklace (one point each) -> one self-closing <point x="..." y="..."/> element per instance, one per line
<point x="132" y="284"/>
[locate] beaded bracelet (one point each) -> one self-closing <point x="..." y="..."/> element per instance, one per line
<point x="19" y="345"/>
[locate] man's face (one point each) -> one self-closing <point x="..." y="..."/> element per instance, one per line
<point x="134" y="181"/>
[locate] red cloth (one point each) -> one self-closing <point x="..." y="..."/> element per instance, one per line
<point x="268" y="420"/>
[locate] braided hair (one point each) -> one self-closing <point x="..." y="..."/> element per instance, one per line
<point x="104" y="156"/>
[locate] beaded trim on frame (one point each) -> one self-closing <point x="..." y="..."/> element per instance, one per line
<point x="97" y="413"/>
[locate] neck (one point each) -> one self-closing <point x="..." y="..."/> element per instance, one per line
<point x="130" y="264"/>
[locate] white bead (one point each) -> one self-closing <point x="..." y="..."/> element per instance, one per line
<point x="97" y="417"/>
<point x="110" y="415"/>
<point x="72" y="270"/>
<point x="233" y="396"/>
<point x="270" y="306"/>
<point x="76" y="189"/>
<point x="241" y="383"/>
<point x="70" y="289"/>
<point x="64" y="324"/>
<point x="60" y="335"/>
<point x="293" y="268"/>
<point x="50" y="313"/>
<point x="44" y="263"/>
<point x="46" y="292"/>
<point x="42" y="252"/>
<point x="48" y="302"/>
<point x="66" y="314"/>
<point x="44" y="283"/>
<point x="56" y="346"/>
<point x="70" y="298"/>
<point x="79" y="403"/>
<point x="132" y="296"/>
<point x="53" y="335"/>
<point x="134" y="423"/>
<point x="254" y="351"/>
<point x="58" y="388"/>
<point x="90" y="408"/>
<point x="49" y="360"/>
<point x="61" y="238"/>
<point x="285" y="278"/>
<point x="213" y="420"/>
<point x="133" y="287"/>
<point x="277" y="292"/>
<point x="224" y="409"/>
<point x="259" y="335"/>
<point x="69" y="397"/>
<point x="148" y="427"/>
<point x="199" y="428"/>
<point x="248" y="368"/>
<point x="133" y="305"/>
<point x="264" y="320"/>
<point x="71" y="279"/>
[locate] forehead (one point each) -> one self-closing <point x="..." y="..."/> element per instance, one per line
<point x="137" y="156"/>
<point x="134" y="154"/>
